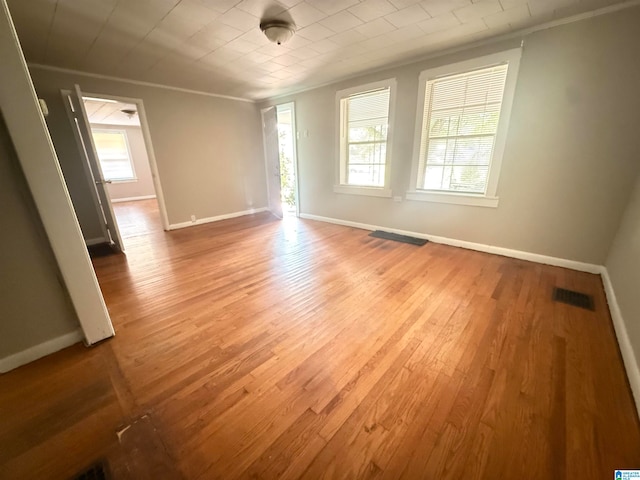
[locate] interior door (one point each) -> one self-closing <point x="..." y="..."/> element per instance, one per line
<point x="272" y="159"/>
<point x="91" y="156"/>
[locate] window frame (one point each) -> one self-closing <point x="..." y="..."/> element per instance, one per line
<point x="341" y="158"/>
<point x="134" y="177"/>
<point x="489" y="198"/>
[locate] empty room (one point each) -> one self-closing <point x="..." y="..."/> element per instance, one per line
<point x="320" y="239"/>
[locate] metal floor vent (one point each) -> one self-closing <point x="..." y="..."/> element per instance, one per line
<point x="570" y="297"/>
<point x="97" y="471"/>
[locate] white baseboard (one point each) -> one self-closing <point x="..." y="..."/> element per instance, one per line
<point x="628" y="357"/>
<point x="506" y="252"/>
<point x="132" y="199"/>
<point x="94" y="241"/>
<point x="38" y="351"/>
<point x="226" y="216"/>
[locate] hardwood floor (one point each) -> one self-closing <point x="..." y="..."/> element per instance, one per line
<point x="258" y="348"/>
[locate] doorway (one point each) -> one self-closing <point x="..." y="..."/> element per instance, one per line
<point x="124" y="161"/>
<point x="113" y="137"/>
<point x="279" y="139"/>
<point x="285" y="115"/>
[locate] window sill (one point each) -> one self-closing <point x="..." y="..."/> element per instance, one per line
<point x="454" y="198"/>
<point x="370" y="191"/>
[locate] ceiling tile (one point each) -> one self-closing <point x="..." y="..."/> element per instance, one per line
<point x="330" y="7"/>
<point x="220" y="6"/>
<point x="239" y="19"/>
<point x="375" y="28"/>
<point x="400" y="4"/>
<point x="407" y="16"/>
<point x="371" y="9"/>
<point x="286" y="60"/>
<point x="477" y="10"/>
<point x="304" y="14"/>
<point x="324" y="46"/>
<point x="193" y="11"/>
<point x="261" y="8"/>
<point x="439" y="23"/>
<point x="241" y="46"/>
<point x="341" y="21"/>
<point x="348" y="38"/>
<point x="512" y="15"/>
<point x="314" y="32"/>
<point x="439" y="7"/>
<point x="507" y="4"/>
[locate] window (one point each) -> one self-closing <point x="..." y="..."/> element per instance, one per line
<point x="365" y="119"/>
<point x="463" y="116"/>
<point x="113" y="153"/>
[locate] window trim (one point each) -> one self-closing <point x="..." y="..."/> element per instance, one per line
<point x="134" y="177"/>
<point x="489" y="198"/>
<point x="339" y="187"/>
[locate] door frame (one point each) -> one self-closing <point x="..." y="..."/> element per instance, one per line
<point x="146" y="135"/>
<point x="39" y="162"/>
<point x="292" y="107"/>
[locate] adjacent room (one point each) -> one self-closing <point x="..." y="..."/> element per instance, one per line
<point x="320" y="239"/>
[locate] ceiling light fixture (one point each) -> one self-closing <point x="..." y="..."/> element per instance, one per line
<point x="277" y="31"/>
<point x="129" y="112"/>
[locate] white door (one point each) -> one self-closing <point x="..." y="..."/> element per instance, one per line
<point x="89" y="149"/>
<point x="272" y="159"/>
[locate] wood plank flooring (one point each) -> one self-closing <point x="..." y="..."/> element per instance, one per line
<point x="259" y="348"/>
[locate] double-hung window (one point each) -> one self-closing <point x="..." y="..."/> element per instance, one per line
<point x="364" y="138"/>
<point x="463" y="115"/>
<point x="113" y="152"/>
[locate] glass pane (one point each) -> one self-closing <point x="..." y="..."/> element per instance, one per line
<point x="465" y="151"/>
<point x="366" y="153"/>
<point x="367" y="133"/>
<point x="468" y="178"/>
<point x="117" y="169"/>
<point x="113" y="155"/>
<point x="433" y="178"/>
<point x="366" y="175"/>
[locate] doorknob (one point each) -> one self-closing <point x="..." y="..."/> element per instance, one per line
<point x="102" y="182"/>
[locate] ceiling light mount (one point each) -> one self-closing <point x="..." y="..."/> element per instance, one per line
<point x="129" y="112"/>
<point x="277" y="31"/>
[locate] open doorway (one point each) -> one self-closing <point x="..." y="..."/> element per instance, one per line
<point x="287" y="156"/>
<point x="114" y="140"/>
<point x="124" y="161"/>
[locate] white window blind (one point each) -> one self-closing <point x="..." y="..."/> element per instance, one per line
<point x="460" y="122"/>
<point x="365" y="128"/>
<point x="113" y="153"/>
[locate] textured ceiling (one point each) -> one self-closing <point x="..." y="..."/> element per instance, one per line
<point x="216" y="46"/>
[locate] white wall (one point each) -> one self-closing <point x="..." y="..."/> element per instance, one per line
<point x="35" y="305"/>
<point x="208" y="149"/>
<point x="623" y="267"/>
<point x="41" y="229"/>
<point x="570" y="158"/>
<point x="142" y="186"/>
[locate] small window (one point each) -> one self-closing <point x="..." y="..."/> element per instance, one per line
<point x="113" y="152"/>
<point x="365" y="138"/>
<point x="463" y="117"/>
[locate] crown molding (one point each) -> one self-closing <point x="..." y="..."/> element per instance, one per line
<point x="99" y="76"/>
